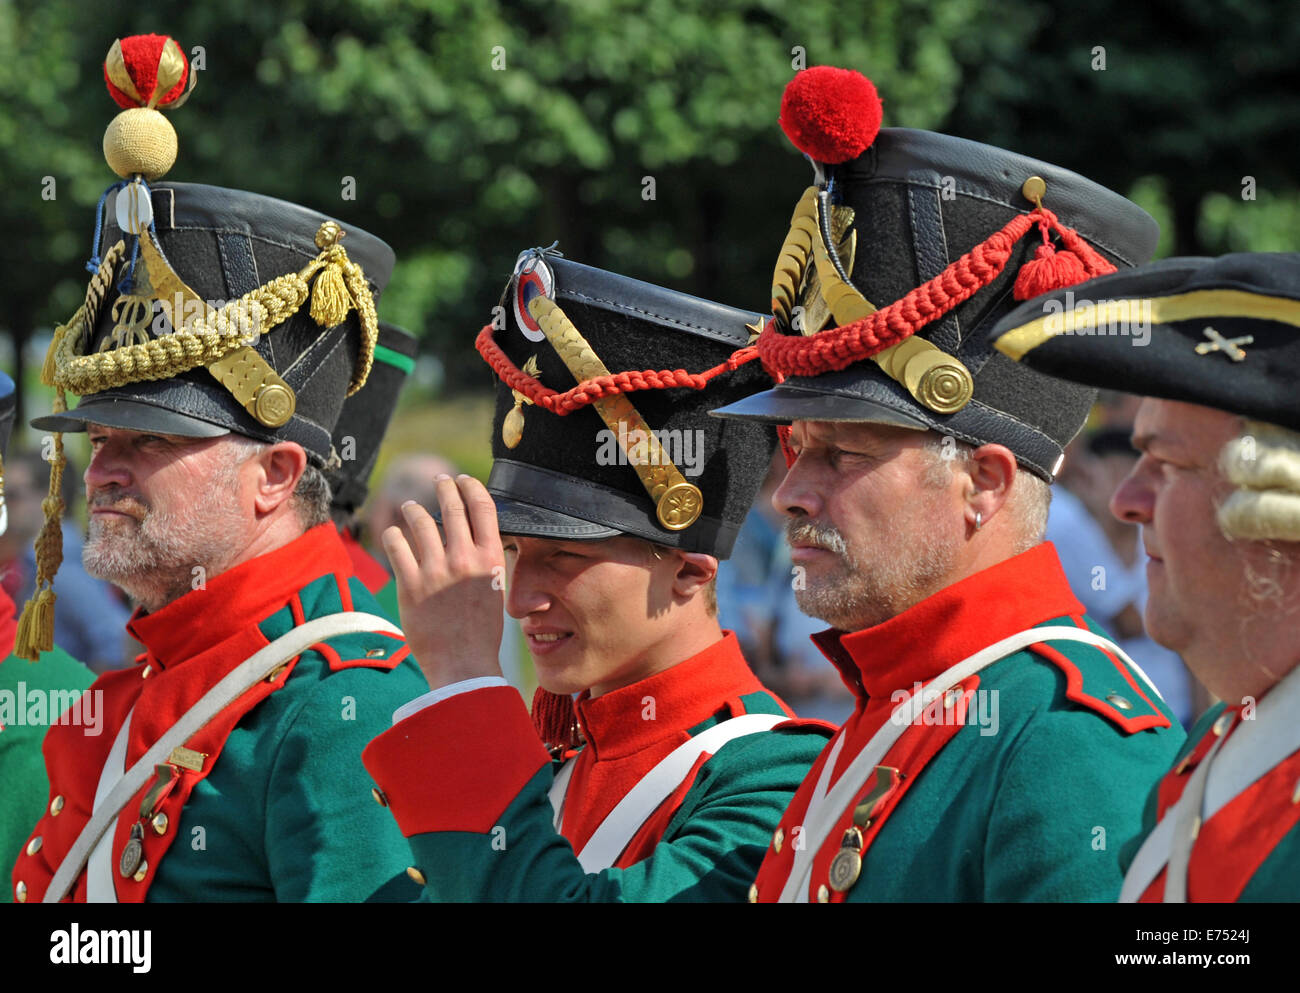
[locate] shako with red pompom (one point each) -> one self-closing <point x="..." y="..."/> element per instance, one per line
<point x="831" y="115"/>
<point x="905" y="246"/>
<point x="144" y="73"/>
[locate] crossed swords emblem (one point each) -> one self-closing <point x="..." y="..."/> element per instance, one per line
<point x="1229" y="346"/>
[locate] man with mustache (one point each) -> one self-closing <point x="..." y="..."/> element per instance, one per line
<point x="1217" y="493"/>
<point x="229" y="766"/>
<point x="603" y="522"/>
<point x="1000" y="743"/>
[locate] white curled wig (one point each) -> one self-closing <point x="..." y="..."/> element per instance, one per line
<point x="1263" y="463"/>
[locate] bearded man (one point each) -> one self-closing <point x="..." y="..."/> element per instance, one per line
<point x="229" y="764"/>
<point x="1000" y="742"/>
<point x="1217" y="495"/>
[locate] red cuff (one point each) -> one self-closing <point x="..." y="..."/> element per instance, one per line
<point x="457" y="765"/>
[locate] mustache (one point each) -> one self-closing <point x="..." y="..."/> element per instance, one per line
<point x="816" y="533"/>
<point x="118" y="500"/>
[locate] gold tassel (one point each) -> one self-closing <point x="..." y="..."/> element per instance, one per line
<point x="330" y="300"/>
<point x="36" y="625"/>
<point x="48" y="368"/>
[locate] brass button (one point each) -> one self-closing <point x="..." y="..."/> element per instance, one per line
<point x="1222" y="724"/>
<point x="1033" y="189"/>
<point x="1121" y="702"/>
<point x="141" y="872"/>
<point x="20" y="892"/>
<point x="34" y="845"/>
<point x="951" y="698"/>
<point x="1182" y="765"/>
<point x="159" y="823"/>
<point x="1295" y="795"/>
<point x="146" y="672"/>
<point x="380" y="796"/>
<point x="778" y="839"/>
<point x="753" y="892"/>
<point x="56" y="806"/>
<point x="823" y="895"/>
<point x="273" y="405"/>
<point x="416" y="875"/>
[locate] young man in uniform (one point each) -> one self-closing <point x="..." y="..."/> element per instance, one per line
<point x="1212" y="345"/>
<point x="999" y="742"/>
<point x="616" y="497"/>
<point x="229" y="764"/>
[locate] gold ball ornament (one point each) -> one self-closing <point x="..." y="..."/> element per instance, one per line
<point x="140" y="141"/>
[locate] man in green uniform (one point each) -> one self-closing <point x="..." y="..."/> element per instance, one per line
<point x="1000" y="743"/>
<point x="673" y="762"/>
<point x="229" y="764"/>
<point x="1212" y="346"/>
<point x="32" y="697"/>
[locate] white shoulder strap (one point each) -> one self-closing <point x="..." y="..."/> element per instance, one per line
<point x="623" y="822"/>
<point x="99" y="882"/>
<point x="232" y="686"/>
<point x="827" y="804"/>
<point x="1229" y="768"/>
<point x="559" y="790"/>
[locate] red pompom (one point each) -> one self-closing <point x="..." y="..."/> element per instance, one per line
<point x="1048" y="270"/>
<point x="146" y="70"/>
<point x="831" y="115"/>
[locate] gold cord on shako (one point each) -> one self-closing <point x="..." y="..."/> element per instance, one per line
<point x="146" y="74"/>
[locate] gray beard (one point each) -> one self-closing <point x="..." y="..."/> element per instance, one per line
<point x="852" y="597"/>
<point x="154" y="561"/>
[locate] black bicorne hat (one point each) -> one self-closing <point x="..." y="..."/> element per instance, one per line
<point x="361" y="425"/>
<point x="631" y="450"/>
<point x="909" y="246"/>
<point x="1218" y="332"/>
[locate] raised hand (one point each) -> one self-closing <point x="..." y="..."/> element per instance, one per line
<point x="451" y="596"/>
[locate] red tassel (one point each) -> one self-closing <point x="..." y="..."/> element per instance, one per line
<point x="555" y="720"/>
<point x="1048" y="270"/>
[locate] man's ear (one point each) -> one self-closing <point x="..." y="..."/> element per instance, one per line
<point x="279" y="467"/>
<point x="992" y="474"/>
<point x="695" y="570"/>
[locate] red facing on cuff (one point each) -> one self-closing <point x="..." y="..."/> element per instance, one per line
<point x="455" y="766"/>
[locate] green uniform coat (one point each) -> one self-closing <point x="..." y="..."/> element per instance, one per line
<point x="1023" y="786"/>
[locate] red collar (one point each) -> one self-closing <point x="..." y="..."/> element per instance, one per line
<point x="617" y="723"/>
<point x="244" y="595"/>
<point x="365" y="567"/>
<point x="937" y="633"/>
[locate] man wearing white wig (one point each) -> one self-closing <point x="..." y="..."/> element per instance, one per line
<point x="1217" y="492"/>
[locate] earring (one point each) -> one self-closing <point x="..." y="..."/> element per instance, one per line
<point x="979" y="521"/>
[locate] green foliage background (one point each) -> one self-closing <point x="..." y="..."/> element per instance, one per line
<point x="460" y="165"/>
